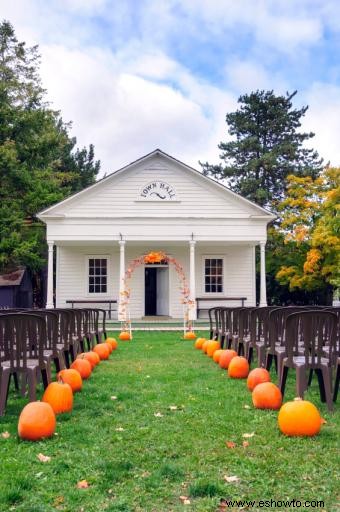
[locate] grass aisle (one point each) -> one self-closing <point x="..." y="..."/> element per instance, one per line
<point x="163" y="437"/>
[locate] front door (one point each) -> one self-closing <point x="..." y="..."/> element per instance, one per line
<point x="156" y="291"/>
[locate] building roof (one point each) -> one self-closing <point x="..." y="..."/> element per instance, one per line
<point x="13" y="278"/>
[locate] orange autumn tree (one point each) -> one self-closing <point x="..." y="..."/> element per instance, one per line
<point x="311" y="227"/>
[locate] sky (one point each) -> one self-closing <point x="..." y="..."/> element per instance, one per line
<point x="136" y="75"/>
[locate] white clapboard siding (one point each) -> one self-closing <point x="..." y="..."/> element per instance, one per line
<point x="72" y="275"/>
<point x="119" y="194"/>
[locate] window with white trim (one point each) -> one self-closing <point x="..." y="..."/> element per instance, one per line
<point x="213" y="275"/>
<point x="97" y="275"/>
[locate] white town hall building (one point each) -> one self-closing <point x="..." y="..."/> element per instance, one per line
<point x="156" y="203"/>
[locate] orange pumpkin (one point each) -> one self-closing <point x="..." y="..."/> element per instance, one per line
<point x="226" y="357"/>
<point x="60" y="397"/>
<point x="299" y="418"/>
<point x="109" y="346"/>
<point x="125" y="336"/>
<point x="238" y="368"/>
<point x="71" y="377"/>
<point x="102" y="350"/>
<point x="92" y="357"/>
<point x="83" y="367"/>
<point x="212" y="347"/>
<point x="113" y="343"/>
<point x="217" y="354"/>
<point x="267" y="396"/>
<point x="199" y="342"/>
<point x="205" y="346"/>
<point x="36" y="421"/>
<point x="257" y="376"/>
<point x="190" y="335"/>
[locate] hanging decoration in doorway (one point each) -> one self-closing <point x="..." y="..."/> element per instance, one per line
<point x="147" y="259"/>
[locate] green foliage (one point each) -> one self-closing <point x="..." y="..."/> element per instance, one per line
<point x="39" y="165"/>
<point x="265" y="148"/>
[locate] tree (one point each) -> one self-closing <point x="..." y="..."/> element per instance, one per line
<point x="39" y="164"/>
<point x="265" y="149"/>
<point x="311" y="228"/>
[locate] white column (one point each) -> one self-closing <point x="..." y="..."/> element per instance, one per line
<point x="121" y="277"/>
<point x="49" y="302"/>
<point x="263" y="289"/>
<point x="192" y="280"/>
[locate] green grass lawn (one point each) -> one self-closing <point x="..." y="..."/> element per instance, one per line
<point x="164" y="436"/>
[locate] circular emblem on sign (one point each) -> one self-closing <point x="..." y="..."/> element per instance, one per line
<point x="158" y="191"/>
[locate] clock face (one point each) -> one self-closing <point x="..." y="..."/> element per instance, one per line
<point x="158" y="191"/>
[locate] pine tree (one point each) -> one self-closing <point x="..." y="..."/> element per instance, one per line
<point x="266" y="147"/>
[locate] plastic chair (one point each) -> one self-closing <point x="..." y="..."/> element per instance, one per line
<point x="307" y="333"/>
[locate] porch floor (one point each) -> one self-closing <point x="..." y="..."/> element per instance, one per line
<point x="157" y="324"/>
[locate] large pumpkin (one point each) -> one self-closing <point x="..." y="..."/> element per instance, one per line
<point x="267" y="396"/>
<point x="71" y="377"/>
<point x="36" y="421"/>
<point x="257" y="376"/>
<point x="199" y="343"/>
<point x="83" y="367"/>
<point x="226" y="357"/>
<point x="60" y="397"/>
<point x="212" y="347"/>
<point x="190" y="335"/>
<point x="125" y="336"/>
<point x="102" y="350"/>
<point x="113" y="342"/>
<point x="109" y="346"/>
<point x="92" y="357"/>
<point x="299" y="418"/>
<point x="238" y="368"/>
<point x="217" y="355"/>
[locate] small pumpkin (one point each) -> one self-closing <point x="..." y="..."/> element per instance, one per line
<point x="212" y="347"/>
<point x="92" y="357"/>
<point x="267" y="396"/>
<point x="238" y="368"/>
<point x="83" y="367"/>
<point x="36" y="421"/>
<point x="217" y="354"/>
<point x="71" y="377"/>
<point x="226" y="357"/>
<point x="102" y="350"/>
<point x="205" y="345"/>
<point x="113" y="342"/>
<point x="190" y="335"/>
<point x="60" y="397"/>
<point x="199" y="342"/>
<point x="125" y="336"/>
<point x="299" y="418"/>
<point x="109" y="346"/>
<point x="257" y="376"/>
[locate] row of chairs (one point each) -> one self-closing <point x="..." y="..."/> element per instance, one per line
<point x="302" y="338"/>
<point x="31" y="341"/>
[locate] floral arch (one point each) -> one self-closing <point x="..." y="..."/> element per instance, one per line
<point x="155" y="257"/>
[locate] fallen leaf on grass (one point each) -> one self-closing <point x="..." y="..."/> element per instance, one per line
<point x="83" y="484"/>
<point x="158" y="415"/>
<point x="247" y="436"/>
<point x="246" y="406"/>
<point x="230" y="444"/>
<point x="173" y="407"/>
<point x="113" y="397"/>
<point x="185" y="500"/>
<point x="119" y="429"/>
<point x="145" y="474"/>
<point x="5" y="435"/>
<point x="231" y="479"/>
<point x="323" y="421"/>
<point x="245" y="444"/>
<point x="58" y="500"/>
<point x="43" y="458"/>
